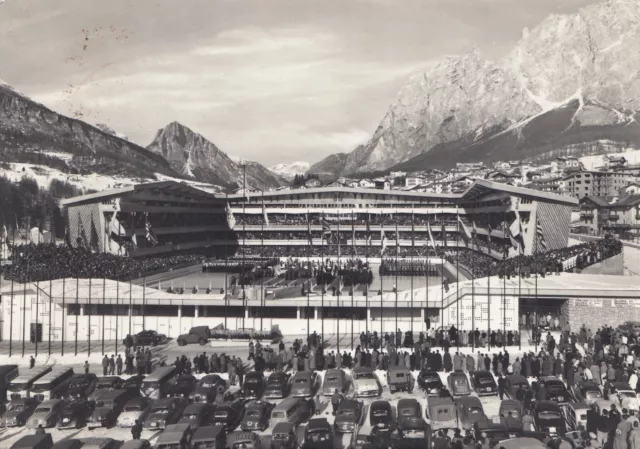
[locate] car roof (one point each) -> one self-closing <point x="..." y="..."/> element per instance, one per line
<point x="349" y="403"/>
<point x="68" y="444"/>
<point x="621" y="385"/>
<point x="318" y="423"/>
<point x="21" y="400"/>
<point x="397" y="368"/>
<point x="549" y="379"/>
<point x="550" y="406"/>
<point x="588" y="383"/>
<point x="256" y="404"/>
<point x="283" y="427"/>
<point x="432" y="402"/>
<point x="111" y="394"/>
<point x="103" y="379"/>
<point x="254" y="374"/>
<point x="510" y="402"/>
<point x="424" y="372"/>
<point x="362" y="369"/>
<point x="468" y="400"/>
<point x="136" y="400"/>
<point x="133" y="444"/>
<point x="334" y="371"/>
<point x="50" y="402"/>
<point x="195" y="407"/>
<point x="163" y="402"/>
<point x="457" y="374"/>
<point x="382" y="404"/>
<point x="482" y="374"/>
<point x="408" y="402"/>
<point x="207" y="433"/>
<point x="279" y="374"/>
<point x="577" y="405"/>
<point x="303" y="375"/>
<point x="517" y="377"/>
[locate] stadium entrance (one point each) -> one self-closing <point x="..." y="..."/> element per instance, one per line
<point x="545" y="312"/>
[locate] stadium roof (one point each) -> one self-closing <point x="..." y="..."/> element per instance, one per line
<point x="166" y="187"/>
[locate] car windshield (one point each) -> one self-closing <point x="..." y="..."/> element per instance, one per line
<point x="190" y="416"/>
<point x="205" y="445"/>
<point x="253" y="413"/>
<point x="346" y="412"/>
<point x="460" y="383"/>
<point x="221" y="414"/>
<point x="43" y="410"/>
<point x="207" y="384"/>
<point x="380" y="412"/>
<point x="160" y="410"/>
<point x="132" y="408"/>
<point x="251" y="380"/>
<point x="486" y="380"/>
<point x="318" y="435"/>
<point x="365" y="376"/>
<point x="548" y="415"/>
<point x="302" y="381"/>
<point x="627" y="394"/>
<point x="475" y="410"/>
<point x="331" y="379"/>
<point x="104" y="404"/>
<point x="408" y="412"/>
<point x="593" y="394"/>
<point x="18" y="386"/>
<point x="280" y="437"/>
<point x="15" y="407"/>
<point x="276" y="381"/>
<point x="103" y="386"/>
<point x="555" y="387"/>
<point x="78" y="384"/>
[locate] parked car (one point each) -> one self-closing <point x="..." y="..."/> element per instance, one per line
<point x="381" y="416"/>
<point x="163" y="412"/>
<point x="256" y="416"/>
<point x="622" y="394"/>
<point x="496" y="431"/>
<point x="207" y="388"/>
<point x="182" y="386"/>
<point x="228" y="414"/>
<point x="197" y="414"/>
<point x="135" y="409"/>
<point x="75" y="414"/>
<point x="548" y="418"/>
<point x="348" y="416"/>
<point x="278" y="385"/>
<point x="304" y="384"/>
<point x="459" y="384"/>
<point x="136" y="444"/>
<point x="335" y="380"/>
<point x="79" y="386"/>
<point x="148" y="338"/>
<point x="441" y="413"/>
<point x="470" y="410"/>
<point x="109" y="405"/>
<point x="106" y="383"/>
<point x="318" y="434"/>
<point x="18" y="412"/>
<point x="243" y="440"/>
<point x="408" y="410"/>
<point x="283" y="436"/>
<point x="513" y="408"/>
<point x="198" y="334"/>
<point x="38" y="441"/>
<point x="515" y="382"/>
<point x="175" y="436"/>
<point x="430" y="382"/>
<point x="46" y="414"/>
<point x="254" y="385"/>
<point x="586" y="391"/>
<point x="209" y="437"/>
<point x="484" y="383"/>
<point x="400" y="379"/>
<point x="556" y="390"/>
<point x="365" y="383"/>
<point x="133" y="383"/>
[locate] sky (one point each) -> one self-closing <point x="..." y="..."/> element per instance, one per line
<point x="274" y="81"/>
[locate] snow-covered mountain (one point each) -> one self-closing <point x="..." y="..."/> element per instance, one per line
<point x="569" y="83"/>
<point x="289" y="171"/>
<point x="110" y="130"/>
<point x="193" y="156"/>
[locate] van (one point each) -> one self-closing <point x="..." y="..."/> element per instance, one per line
<point x="243" y="440"/>
<point x="575" y="414"/>
<point x="209" y="437"/>
<point x="20" y="387"/>
<point x="7" y="374"/>
<point x="51" y="384"/>
<point x="156" y="384"/>
<point x="291" y="410"/>
<point x="400" y="379"/>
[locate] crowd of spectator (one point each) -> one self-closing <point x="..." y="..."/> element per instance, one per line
<point x="403" y="267"/>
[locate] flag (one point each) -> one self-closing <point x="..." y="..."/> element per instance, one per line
<point x="149" y="234"/>
<point x="516" y="226"/>
<point x="512" y="239"/>
<point x="82" y="239"/>
<point x="540" y="235"/>
<point x="474" y="231"/>
<point x="309" y="235"/>
<point x="413" y="231"/>
<point x="5" y="235"/>
<point x="231" y="220"/>
<point x="383" y="242"/>
<point x="326" y="227"/>
<point x="264" y="215"/>
<point x="489" y="231"/>
<point x="433" y="243"/>
<point x="444" y="235"/>
<point x="465" y="230"/>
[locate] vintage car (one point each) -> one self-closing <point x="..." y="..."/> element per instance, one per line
<point x="470" y="410"/>
<point x="348" y="416"/>
<point x="209" y="437"/>
<point x="603" y="404"/>
<point x="441" y="413"/>
<point x="175" y="436"/>
<point x="75" y="414"/>
<point x="182" y="386"/>
<point x="18" y="412"/>
<point x="284" y="436"/>
<point x="37" y="441"/>
<point x="400" y="379"/>
<point x="622" y="394"/>
<point x="46" y="414"/>
<point x="163" y="412"/>
<point x="136" y="444"/>
<point x="335" y="380"/>
<point x="243" y="440"/>
<point x="196" y="414"/>
<point x="513" y="408"/>
<point x="198" y="334"/>
<point x="108" y="406"/>
<point x="228" y="414"/>
<point x="292" y="410"/>
<point x="415" y="429"/>
<point x="318" y="434"/>
<point x="575" y="415"/>
<point x="106" y="383"/>
<point x="253" y="386"/>
<point x="459" y="384"/>
<point x="133" y="383"/>
<point x="548" y="418"/>
<point x="493" y="430"/>
<point x="278" y="385"/>
<point x="484" y="383"/>
<point x="256" y="416"/>
<point x="556" y="390"/>
<point x="207" y="388"/>
<point x="100" y="443"/>
<point x="79" y="386"/>
<point x="408" y="408"/>
<point x="304" y="384"/>
<point x="135" y="409"/>
<point x="381" y="416"/>
<point x="365" y="383"/>
<point x="586" y="391"/>
<point x="430" y="382"/>
<point x="515" y="382"/>
<point x="68" y="444"/>
<point x="148" y="338"/>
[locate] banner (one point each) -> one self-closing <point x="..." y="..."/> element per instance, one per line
<point x="231" y="220"/>
<point x="433" y="243"/>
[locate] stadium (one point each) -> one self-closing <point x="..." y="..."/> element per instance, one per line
<point x="167" y="256"/>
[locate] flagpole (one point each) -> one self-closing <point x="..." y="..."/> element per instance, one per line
<point x="458" y="283"/>
<point x="13" y="274"/>
<point x="37" y="311"/>
<point x="310" y="272"/>
<point x="366" y="288"/>
<point x="50" y="312"/>
<point x="89" y="321"/>
<point x="131" y="306"/>
<point x="24" y="309"/>
<point x="413" y="245"/>
<point x="64" y="312"/>
<point x="226" y="266"/>
<point x="353" y="245"/>
<point x="489" y="309"/>
<point x="396" y="286"/>
<point x="262" y="302"/>
<point x="104" y="300"/>
<point x="144" y="300"/>
<point x="322" y="273"/>
<point x="504" y="291"/>
<point x="382" y="237"/>
<point x="244" y="221"/>
<point x="338" y="290"/>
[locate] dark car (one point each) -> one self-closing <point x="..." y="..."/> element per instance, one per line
<point x="318" y="434"/>
<point x="497" y="431"/>
<point x="133" y="383"/>
<point x="407" y="410"/>
<point x="209" y="437"/>
<point x="18" y="412"/>
<point x="182" y="386"/>
<point x="163" y="412"/>
<point x="37" y="441"/>
<point x="284" y="436"/>
<point x="79" y="386"/>
<point x="400" y="379"/>
<point x="586" y="391"/>
<point x="381" y="416"/>
<point x="148" y="338"/>
<point x="256" y="416"/>
<point x="348" y="416"/>
<point x="548" y="418"/>
<point x="253" y="386"/>
<point x="207" y="388"/>
<point x="556" y="391"/>
<point x="515" y="382"/>
<point x="75" y="414"/>
<point x="106" y="383"/>
<point x="459" y="384"/>
<point x="335" y="380"/>
<point x="278" y="385"/>
<point x="470" y="410"/>
<point x="100" y="443"/>
<point x="228" y="414"/>
<point x="430" y="382"/>
<point x="108" y="406"/>
<point x="197" y="414"/>
<point x="484" y="383"/>
<point x="198" y="334"/>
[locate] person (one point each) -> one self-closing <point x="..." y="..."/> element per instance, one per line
<point x="86" y="367"/>
<point x="501" y="385"/>
<point x="119" y="365"/>
<point x="527" y="421"/>
<point x="105" y="365"/>
<point x="32" y="362"/>
<point x="634" y="436"/>
<point x="112" y="365"/>
<point x="317" y="404"/>
<point x="136" y="430"/>
<point x="336" y="399"/>
<point x="40" y="430"/>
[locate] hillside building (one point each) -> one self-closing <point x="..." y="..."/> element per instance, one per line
<point x="619" y="215"/>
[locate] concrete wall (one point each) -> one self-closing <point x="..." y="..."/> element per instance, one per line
<point x="631" y="253"/>
<point x="613" y="265"/>
<point x="579" y="311"/>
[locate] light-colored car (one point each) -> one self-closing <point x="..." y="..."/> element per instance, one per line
<point x="335" y="380"/>
<point x="441" y="413"/>
<point x="304" y="384"/>
<point x="46" y="414"/>
<point x="365" y="383"/>
<point x="135" y="409"/>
